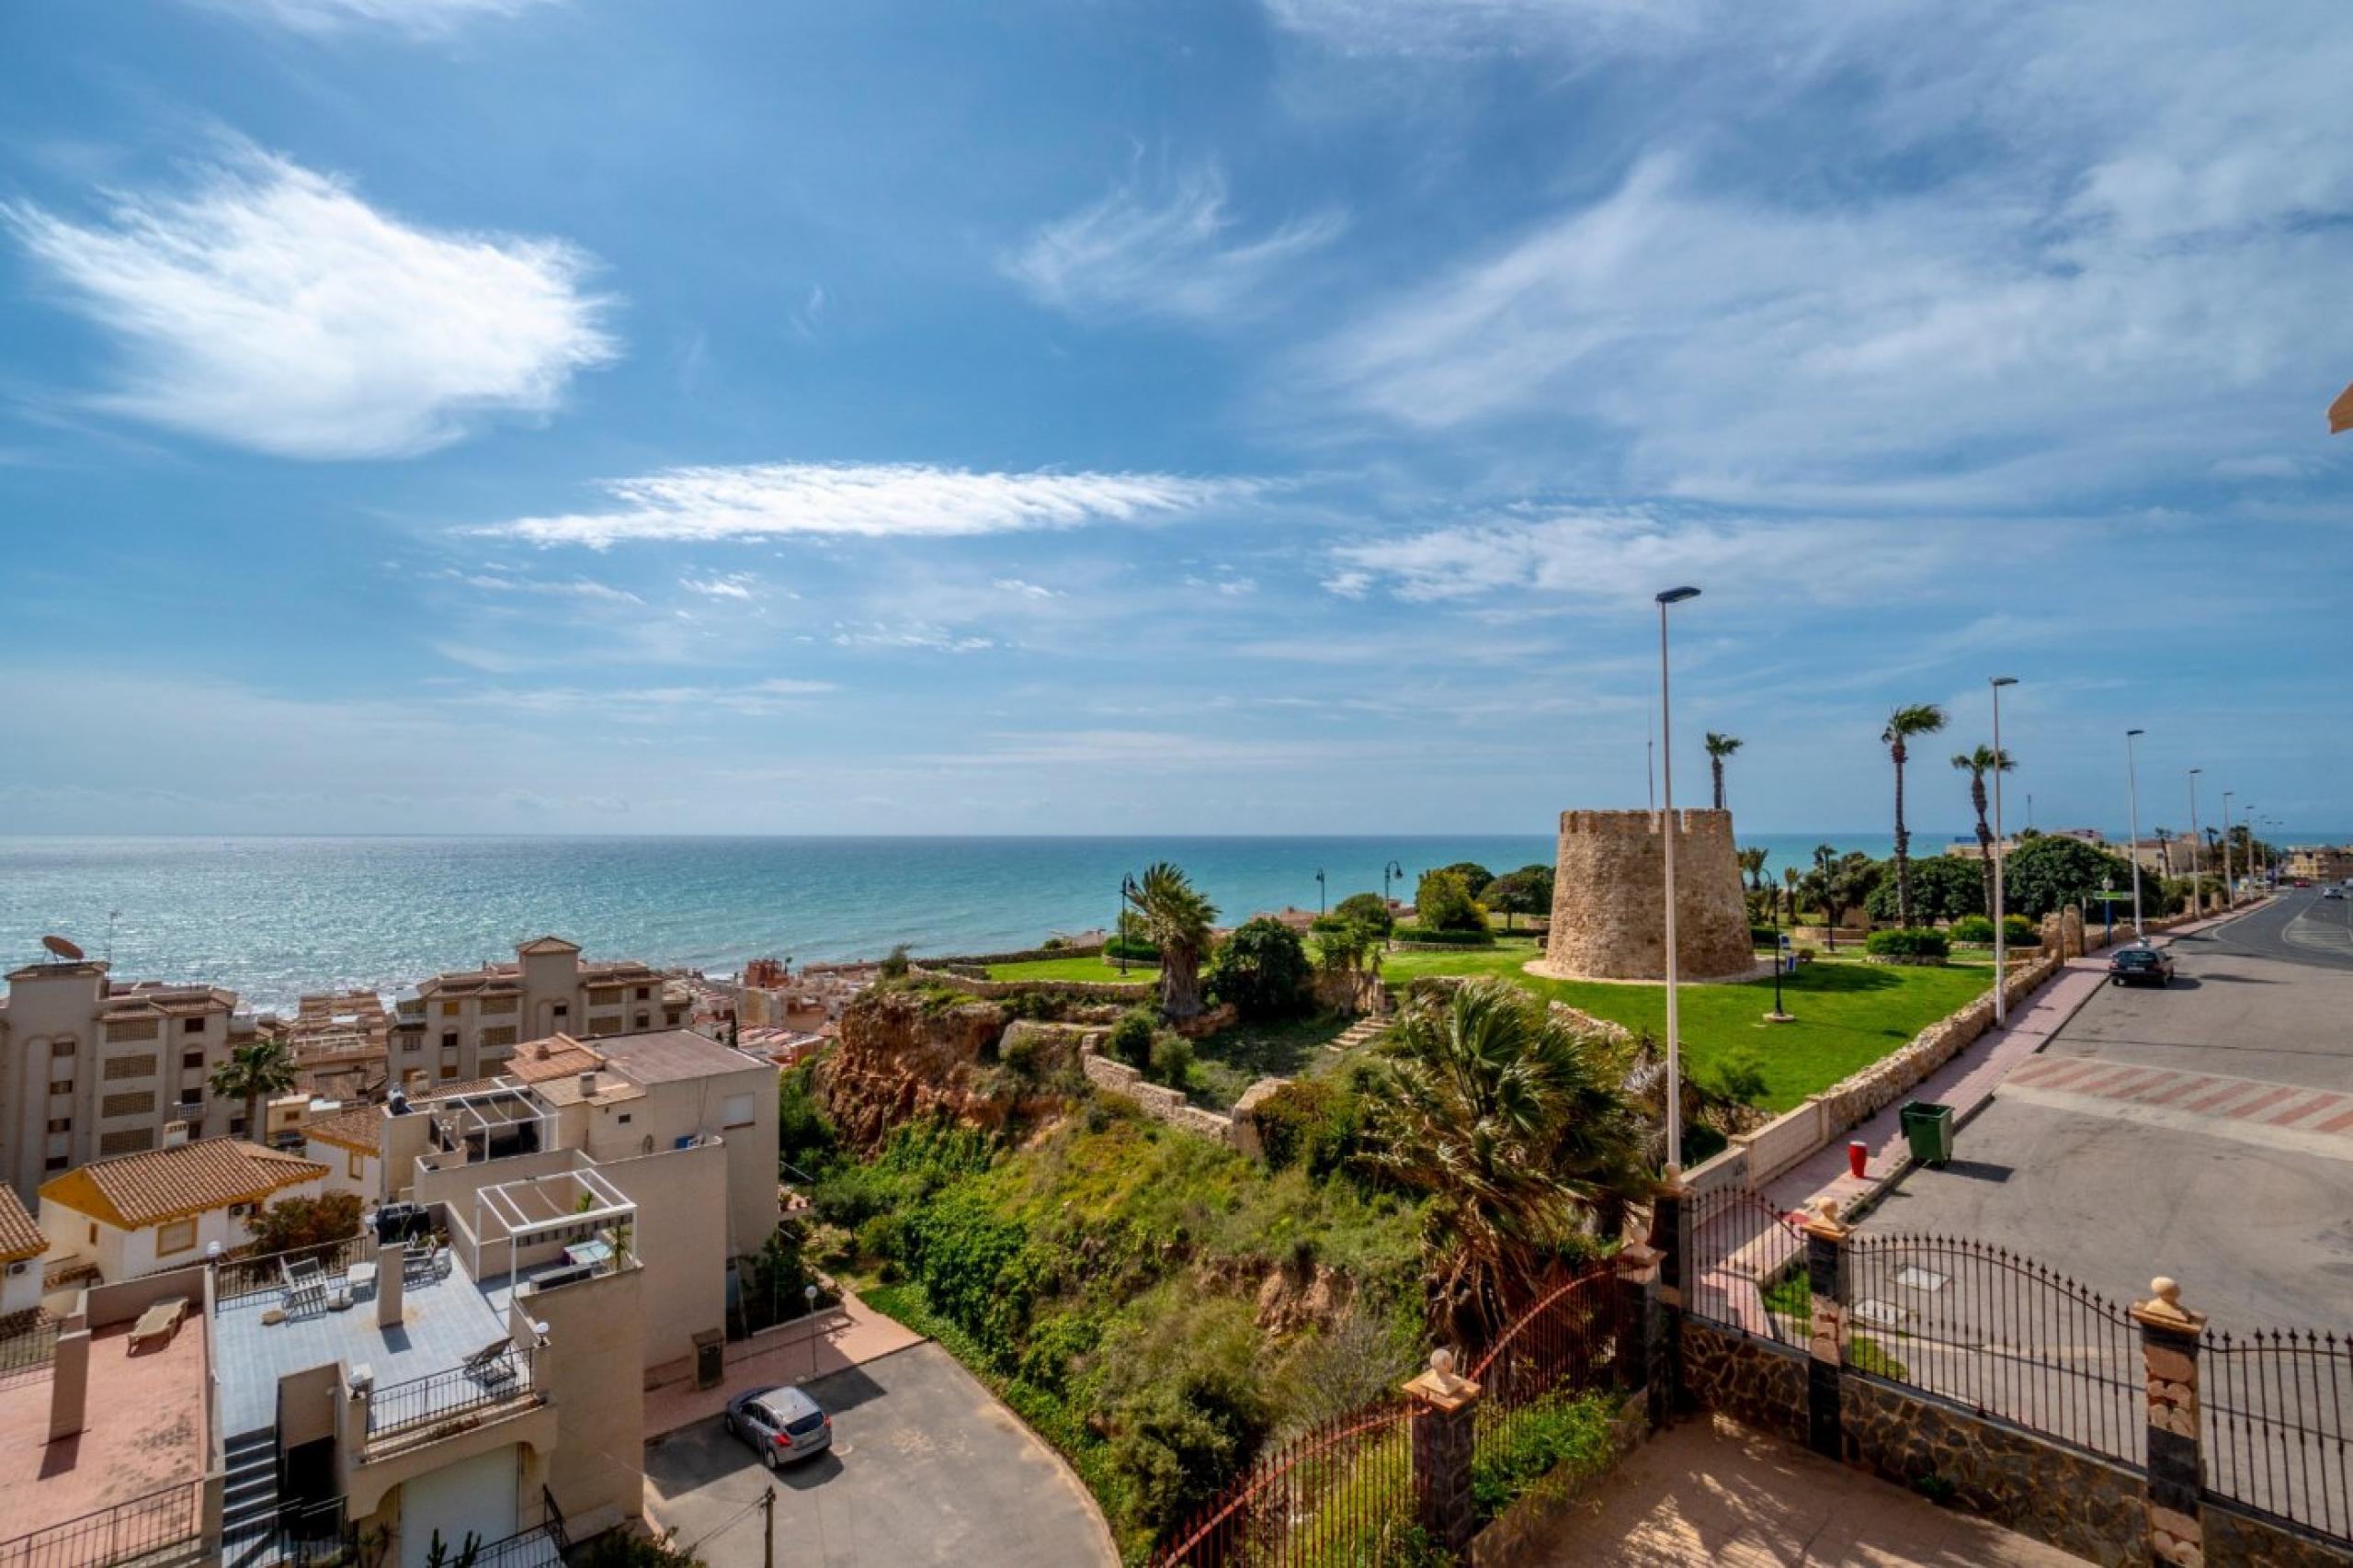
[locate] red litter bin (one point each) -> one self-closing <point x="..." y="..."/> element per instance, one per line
<point x="1856" y="1153"/>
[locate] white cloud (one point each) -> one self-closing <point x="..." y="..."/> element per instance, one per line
<point x="921" y="636"/>
<point x="648" y="704"/>
<point x="1449" y="28"/>
<point x="1015" y="585"/>
<point x="734" y="586"/>
<point x="1171" y="257"/>
<point x="572" y="588"/>
<point x="881" y="500"/>
<point x="424" y="19"/>
<point x="275" y="310"/>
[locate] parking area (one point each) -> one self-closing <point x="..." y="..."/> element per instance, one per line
<point x="925" y="1467"/>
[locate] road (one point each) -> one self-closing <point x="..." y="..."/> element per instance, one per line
<point x="2203" y="1132"/>
<point x="925" y="1467"/>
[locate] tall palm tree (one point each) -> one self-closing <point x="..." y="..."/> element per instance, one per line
<point x="1920" y="718"/>
<point x="252" y="1072"/>
<point x="1752" y="860"/>
<point x="1518" y="1128"/>
<point x="1177" y="919"/>
<point x="2164" y="836"/>
<point x="1719" y="748"/>
<point x="1977" y="765"/>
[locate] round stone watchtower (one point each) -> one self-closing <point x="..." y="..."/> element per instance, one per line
<point x="1609" y="922"/>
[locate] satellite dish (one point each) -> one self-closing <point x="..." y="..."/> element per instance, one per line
<point x="60" y="947"/>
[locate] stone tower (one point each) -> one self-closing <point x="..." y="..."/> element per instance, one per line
<point x="1607" y="922"/>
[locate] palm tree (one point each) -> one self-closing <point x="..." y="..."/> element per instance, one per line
<point x="253" y="1071"/>
<point x="1752" y="860"/>
<point x="1921" y="719"/>
<point x="2164" y="836"/>
<point x="1515" y="1124"/>
<point x="1977" y="765"/>
<point x="1719" y="748"/>
<point x="1177" y="919"/>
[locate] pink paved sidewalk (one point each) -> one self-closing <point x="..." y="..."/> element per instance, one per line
<point x="849" y="1336"/>
<point x="1966" y="1082"/>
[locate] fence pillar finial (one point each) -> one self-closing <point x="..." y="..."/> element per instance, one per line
<point x="2170" y="1334"/>
<point x="1446" y="1408"/>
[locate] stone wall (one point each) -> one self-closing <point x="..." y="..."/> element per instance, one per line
<point x="1608" y="921"/>
<point x="2235" y="1539"/>
<point x="1027" y="955"/>
<point x="1169" y="1106"/>
<point x="2080" y="1504"/>
<point x="1528" y="1531"/>
<point x="1755" y="1382"/>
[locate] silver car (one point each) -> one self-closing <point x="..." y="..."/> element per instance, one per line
<point x="781" y="1423"/>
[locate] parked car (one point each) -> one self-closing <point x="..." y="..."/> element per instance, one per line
<point x="2140" y="966"/>
<point x="781" y="1424"/>
<point x="2331" y="891"/>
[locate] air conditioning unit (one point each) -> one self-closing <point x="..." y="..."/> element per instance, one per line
<point x="174" y="1134"/>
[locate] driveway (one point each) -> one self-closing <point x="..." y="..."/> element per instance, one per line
<point x="925" y="1467"/>
<point x="2203" y="1132"/>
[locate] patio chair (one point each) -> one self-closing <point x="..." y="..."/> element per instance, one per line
<point x="305" y="1284"/>
<point x="491" y="1366"/>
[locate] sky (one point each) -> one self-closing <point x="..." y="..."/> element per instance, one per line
<point x="1106" y="416"/>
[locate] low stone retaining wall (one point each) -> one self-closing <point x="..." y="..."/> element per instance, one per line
<point x="999" y="990"/>
<point x="1525" y="1531"/>
<point x="1027" y="955"/>
<point x="2237" y="1540"/>
<point x="1239" y="1130"/>
<point x="1755" y="1382"/>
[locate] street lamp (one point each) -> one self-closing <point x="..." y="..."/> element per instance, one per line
<point x="1390" y="869"/>
<point x="2230" y="895"/>
<point x="2196" y="847"/>
<point x="2132" y="792"/>
<point x="1667" y="770"/>
<point x="2001" y="938"/>
<point x="1128" y="891"/>
<point x="1319" y="893"/>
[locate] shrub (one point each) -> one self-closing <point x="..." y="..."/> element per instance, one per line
<point x="882" y="1236"/>
<point x="894" y="963"/>
<point x="1129" y="948"/>
<point x="1444" y="939"/>
<point x="292" y="1223"/>
<point x="1442" y="902"/>
<point x="1765" y="936"/>
<point x="1052" y="945"/>
<point x="1172" y="1060"/>
<point x="1972" y="929"/>
<point x="1131" y="1038"/>
<point x="1906" y="944"/>
<point x="2017" y="929"/>
<point x="1262" y="970"/>
<point x="1739" y="1075"/>
<point x="1944" y="887"/>
<point x="1366" y="908"/>
<point x="1308" y="1123"/>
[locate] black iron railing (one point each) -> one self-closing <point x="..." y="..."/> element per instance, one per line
<point x="126" y="1532"/>
<point x="237" y="1278"/>
<point x="2276" y="1425"/>
<point x="27" y="1342"/>
<point x="1335" y="1493"/>
<point x="421" y="1403"/>
<point x="1744" y="1257"/>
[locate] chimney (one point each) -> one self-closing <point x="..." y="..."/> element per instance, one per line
<point x="589" y="1084"/>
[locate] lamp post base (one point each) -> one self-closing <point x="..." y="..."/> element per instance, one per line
<point x="1778" y="1017"/>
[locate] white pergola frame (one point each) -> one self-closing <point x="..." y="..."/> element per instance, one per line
<point x="459" y="1117"/>
<point x="611" y="1209"/>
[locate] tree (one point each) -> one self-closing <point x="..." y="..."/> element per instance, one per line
<point x="1944" y="887"/>
<point x="1348" y="946"/>
<point x="1720" y="747"/>
<point x="1839" y="885"/>
<point x="1262" y="970"/>
<point x="1368" y="907"/>
<point x="1442" y="902"/>
<point x="1752" y="860"/>
<point x="1920" y="718"/>
<point x="2164" y="836"/>
<point x="253" y="1073"/>
<point x="1528" y="891"/>
<point x="2052" y="872"/>
<point x="291" y="1224"/>
<point x="1177" y="917"/>
<point x="1977" y="764"/>
<point x="1515" y="1125"/>
<point x="1475" y="876"/>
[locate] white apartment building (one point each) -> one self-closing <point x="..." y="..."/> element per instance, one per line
<point x="465" y="1024"/>
<point x="118" y="1218"/>
<point x="91" y="1068"/>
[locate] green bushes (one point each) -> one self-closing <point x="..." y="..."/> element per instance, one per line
<point x="1131" y="1038"/>
<point x="1972" y="929"/>
<point x="1363" y="909"/>
<point x="2017" y="930"/>
<point x="1765" y="936"/>
<point x="1309" y="1122"/>
<point x="1131" y="948"/>
<point x="1172" y="1061"/>
<point x="1429" y="936"/>
<point x="1551" y="1431"/>
<point x="1442" y="902"/>
<point x="1906" y="944"/>
<point x="1262" y="970"/>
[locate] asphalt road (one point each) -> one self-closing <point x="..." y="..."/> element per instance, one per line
<point x="925" y="1467"/>
<point x="2203" y="1132"/>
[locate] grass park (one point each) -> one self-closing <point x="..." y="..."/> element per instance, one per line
<point x="1085" y="967"/>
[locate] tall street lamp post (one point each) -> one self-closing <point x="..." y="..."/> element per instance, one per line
<point x="2001" y="936"/>
<point x="2229" y="893"/>
<point x="1666" y="773"/>
<point x="2132" y="793"/>
<point x="1120" y="926"/>
<point x="2197" y="850"/>
<point x="1319" y="893"/>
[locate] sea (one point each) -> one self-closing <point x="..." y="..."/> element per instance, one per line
<point x="273" y="917"/>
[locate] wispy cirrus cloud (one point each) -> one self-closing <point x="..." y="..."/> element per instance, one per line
<point x="273" y="309"/>
<point x="422" y="18"/>
<point x="585" y="588"/>
<point x="869" y="500"/>
<point x="1175" y="254"/>
<point x="755" y="698"/>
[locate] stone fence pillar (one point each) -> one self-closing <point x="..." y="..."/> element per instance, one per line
<point x="1826" y="1270"/>
<point x="1637" y="1351"/>
<point x="2169" y="1336"/>
<point x="1445" y="1409"/>
<point x="1671" y="1240"/>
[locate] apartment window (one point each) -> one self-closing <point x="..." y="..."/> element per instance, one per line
<point x="128" y="1067"/>
<point x="140" y="1102"/>
<point x="644" y="992"/>
<point x="449" y="1009"/>
<point x="61" y="1086"/>
<point x="192" y="1026"/>
<point x="562" y="1009"/>
<point x="448" y="1071"/>
<point x="132" y="1029"/>
<point x="58" y="1048"/>
<point x="644" y="1020"/>
<point x="355" y="1164"/>
<point x="736" y="1111"/>
<point x="61" y="1124"/>
<point x="56" y="1162"/>
<point x="623" y="1119"/>
<point x="192" y="1061"/>
<point x="502" y="1035"/>
<point x="449" y="1040"/>
<point x="130" y="1140"/>
<point x="177" y="1236"/>
<point x="93" y="1232"/>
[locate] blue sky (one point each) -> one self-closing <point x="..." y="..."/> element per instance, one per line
<point x="495" y="416"/>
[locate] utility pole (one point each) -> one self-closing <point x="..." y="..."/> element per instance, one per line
<point x="2229" y="894"/>
<point x="768" y="1532"/>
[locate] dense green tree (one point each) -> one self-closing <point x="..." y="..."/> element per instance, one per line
<point x="1262" y="970"/>
<point x="1177" y="919"/>
<point x="2052" y="871"/>
<point x="294" y="1222"/>
<point x="806" y="1138"/>
<point x="1516" y="1127"/>
<point x="1442" y="902"/>
<point x="1369" y="908"/>
<point x="1719" y="748"/>
<point x="1528" y="891"/>
<point x="1944" y="887"/>
<point x="1475" y="876"/>
<point x="1840" y="884"/>
<point x="1903" y="726"/>
<point x="256" y="1072"/>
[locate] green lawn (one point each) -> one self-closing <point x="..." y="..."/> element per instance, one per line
<point x="1230" y="1060"/>
<point x="1850" y="1014"/>
<point x="1089" y="967"/>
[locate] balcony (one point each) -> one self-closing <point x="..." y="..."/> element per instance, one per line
<point x="499" y="1376"/>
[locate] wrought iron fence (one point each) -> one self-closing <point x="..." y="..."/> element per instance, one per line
<point x="486" y="1380"/>
<point x="1743" y="1256"/>
<point x="1560" y="1349"/>
<point x="27" y="1342"/>
<point x="1333" y="1495"/>
<point x="236" y="1277"/>
<point x="2275" y="1407"/>
<point x="1999" y="1334"/>
<point x="144" y="1528"/>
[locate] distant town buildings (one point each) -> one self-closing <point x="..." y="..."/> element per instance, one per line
<point x="2320" y="862"/>
<point x="465" y="1023"/>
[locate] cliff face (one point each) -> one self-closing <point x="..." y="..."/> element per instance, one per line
<point x="901" y="1059"/>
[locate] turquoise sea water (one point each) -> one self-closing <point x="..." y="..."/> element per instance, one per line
<point x="272" y="917"/>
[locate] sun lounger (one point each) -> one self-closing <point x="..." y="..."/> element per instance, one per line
<point x="159" y="1322"/>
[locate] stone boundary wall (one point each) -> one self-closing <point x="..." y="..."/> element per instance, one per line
<point x="2086" y="1506"/>
<point x="999" y="990"/>
<point x="2238" y="1540"/>
<point x="1756" y="1381"/>
<point x="1027" y="955"/>
<point x="1238" y="1130"/>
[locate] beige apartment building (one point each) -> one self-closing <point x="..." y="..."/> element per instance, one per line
<point x="91" y="1068"/>
<point x="465" y="1023"/>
